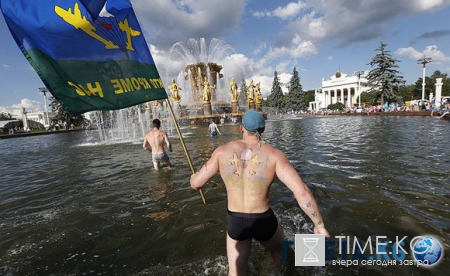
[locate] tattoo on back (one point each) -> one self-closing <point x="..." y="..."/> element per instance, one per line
<point x="235" y="162"/>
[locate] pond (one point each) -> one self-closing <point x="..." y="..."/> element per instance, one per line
<point x="71" y="205"/>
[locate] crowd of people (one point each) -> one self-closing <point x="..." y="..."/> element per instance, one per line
<point x="413" y="106"/>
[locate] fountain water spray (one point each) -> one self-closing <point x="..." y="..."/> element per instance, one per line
<point x="198" y="62"/>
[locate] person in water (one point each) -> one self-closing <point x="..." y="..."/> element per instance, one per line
<point x="213" y="130"/>
<point x="248" y="168"/>
<point x="156" y="139"/>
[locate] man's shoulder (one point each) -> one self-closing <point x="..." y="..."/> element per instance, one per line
<point x="273" y="151"/>
<point x="228" y="146"/>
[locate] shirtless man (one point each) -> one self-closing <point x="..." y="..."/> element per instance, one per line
<point x="248" y="168"/>
<point x="213" y="130"/>
<point x="156" y="138"/>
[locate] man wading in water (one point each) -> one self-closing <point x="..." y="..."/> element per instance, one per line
<point x="156" y="138"/>
<point x="248" y="168"/>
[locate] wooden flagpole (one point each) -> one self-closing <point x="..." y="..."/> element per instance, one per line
<point x="183" y="144"/>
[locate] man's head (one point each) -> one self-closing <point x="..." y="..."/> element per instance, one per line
<point x="253" y="121"/>
<point x="156" y="123"/>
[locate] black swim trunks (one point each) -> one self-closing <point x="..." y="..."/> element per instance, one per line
<point x="259" y="226"/>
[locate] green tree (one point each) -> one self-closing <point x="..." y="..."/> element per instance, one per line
<point x="5" y="116"/>
<point x="429" y="88"/>
<point x="295" y="98"/>
<point x="63" y="115"/>
<point x="369" y="97"/>
<point x="445" y="81"/>
<point x="309" y="97"/>
<point x="407" y="92"/>
<point x="336" y="106"/>
<point x="14" y="124"/>
<point x="276" y="97"/>
<point x="384" y="78"/>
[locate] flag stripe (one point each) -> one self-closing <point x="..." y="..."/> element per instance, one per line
<point x="86" y="64"/>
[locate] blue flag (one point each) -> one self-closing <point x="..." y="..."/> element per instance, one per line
<point x="91" y="55"/>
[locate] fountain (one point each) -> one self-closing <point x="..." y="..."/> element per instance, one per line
<point x="201" y="91"/>
<point x="128" y="124"/>
<point x="206" y="93"/>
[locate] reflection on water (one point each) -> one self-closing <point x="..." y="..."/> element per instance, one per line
<point x="69" y="205"/>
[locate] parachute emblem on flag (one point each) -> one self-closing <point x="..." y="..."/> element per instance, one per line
<point x="106" y="29"/>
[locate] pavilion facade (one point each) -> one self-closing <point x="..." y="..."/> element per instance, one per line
<point x="340" y="88"/>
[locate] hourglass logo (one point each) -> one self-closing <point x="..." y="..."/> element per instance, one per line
<point x="309" y="250"/>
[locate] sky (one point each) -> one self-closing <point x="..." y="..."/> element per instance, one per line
<point x="317" y="37"/>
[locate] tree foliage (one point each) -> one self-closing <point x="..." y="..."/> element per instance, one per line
<point x="5" y="116"/>
<point x="384" y="78"/>
<point x="407" y="92"/>
<point x="309" y="96"/>
<point x="336" y="106"/>
<point x="276" y="97"/>
<point x="295" y="98"/>
<point x="445" y="81"/>
<point x="63" y="115"/>
<point x="370" y="97"/>
<point x="14" y="124"/>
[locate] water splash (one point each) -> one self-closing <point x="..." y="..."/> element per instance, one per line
<point x="200" y="61"/>
<point x="194" y="51"/>
<point x="128" y="125"/>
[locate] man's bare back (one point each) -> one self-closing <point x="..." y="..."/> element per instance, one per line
<point x="156" y="139"/>
<point x="247" y="171"/>
<point x="248" y="168"/>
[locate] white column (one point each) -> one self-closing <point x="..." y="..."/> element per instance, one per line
<point x="24" y="119"/>
<point x="423" y="82"/>
<point x="342" y="95"/>
<point x="438" y="92"/>
<point x="349" y="97"/>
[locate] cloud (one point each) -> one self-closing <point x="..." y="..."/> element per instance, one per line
<point x="6" y="65"/>
<point x="428" y="5"/>
<point x="284" y="80"/>
<point x="430" y="51"/>
<point x="261" y="47"/>
<point x="168" y="22"/>
<point x="16" y="109"/>
<point x="347" y="21"/>
<point x="291" y="10"/>
<point x="431" y="35"/>
<point x="308" y="25"/>
<point x="267" y="82"/>
<point x="297" y="49"/>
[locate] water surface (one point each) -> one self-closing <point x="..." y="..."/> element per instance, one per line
<point x="72" y="205"/>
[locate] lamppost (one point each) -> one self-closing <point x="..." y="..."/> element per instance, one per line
<point x="45" y="90"/>
<point x="359" y="73"/>
<point x="424" y="62"/>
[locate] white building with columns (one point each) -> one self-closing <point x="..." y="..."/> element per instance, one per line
<point x="340" y="88"/>
<point x="40" y="117"/>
